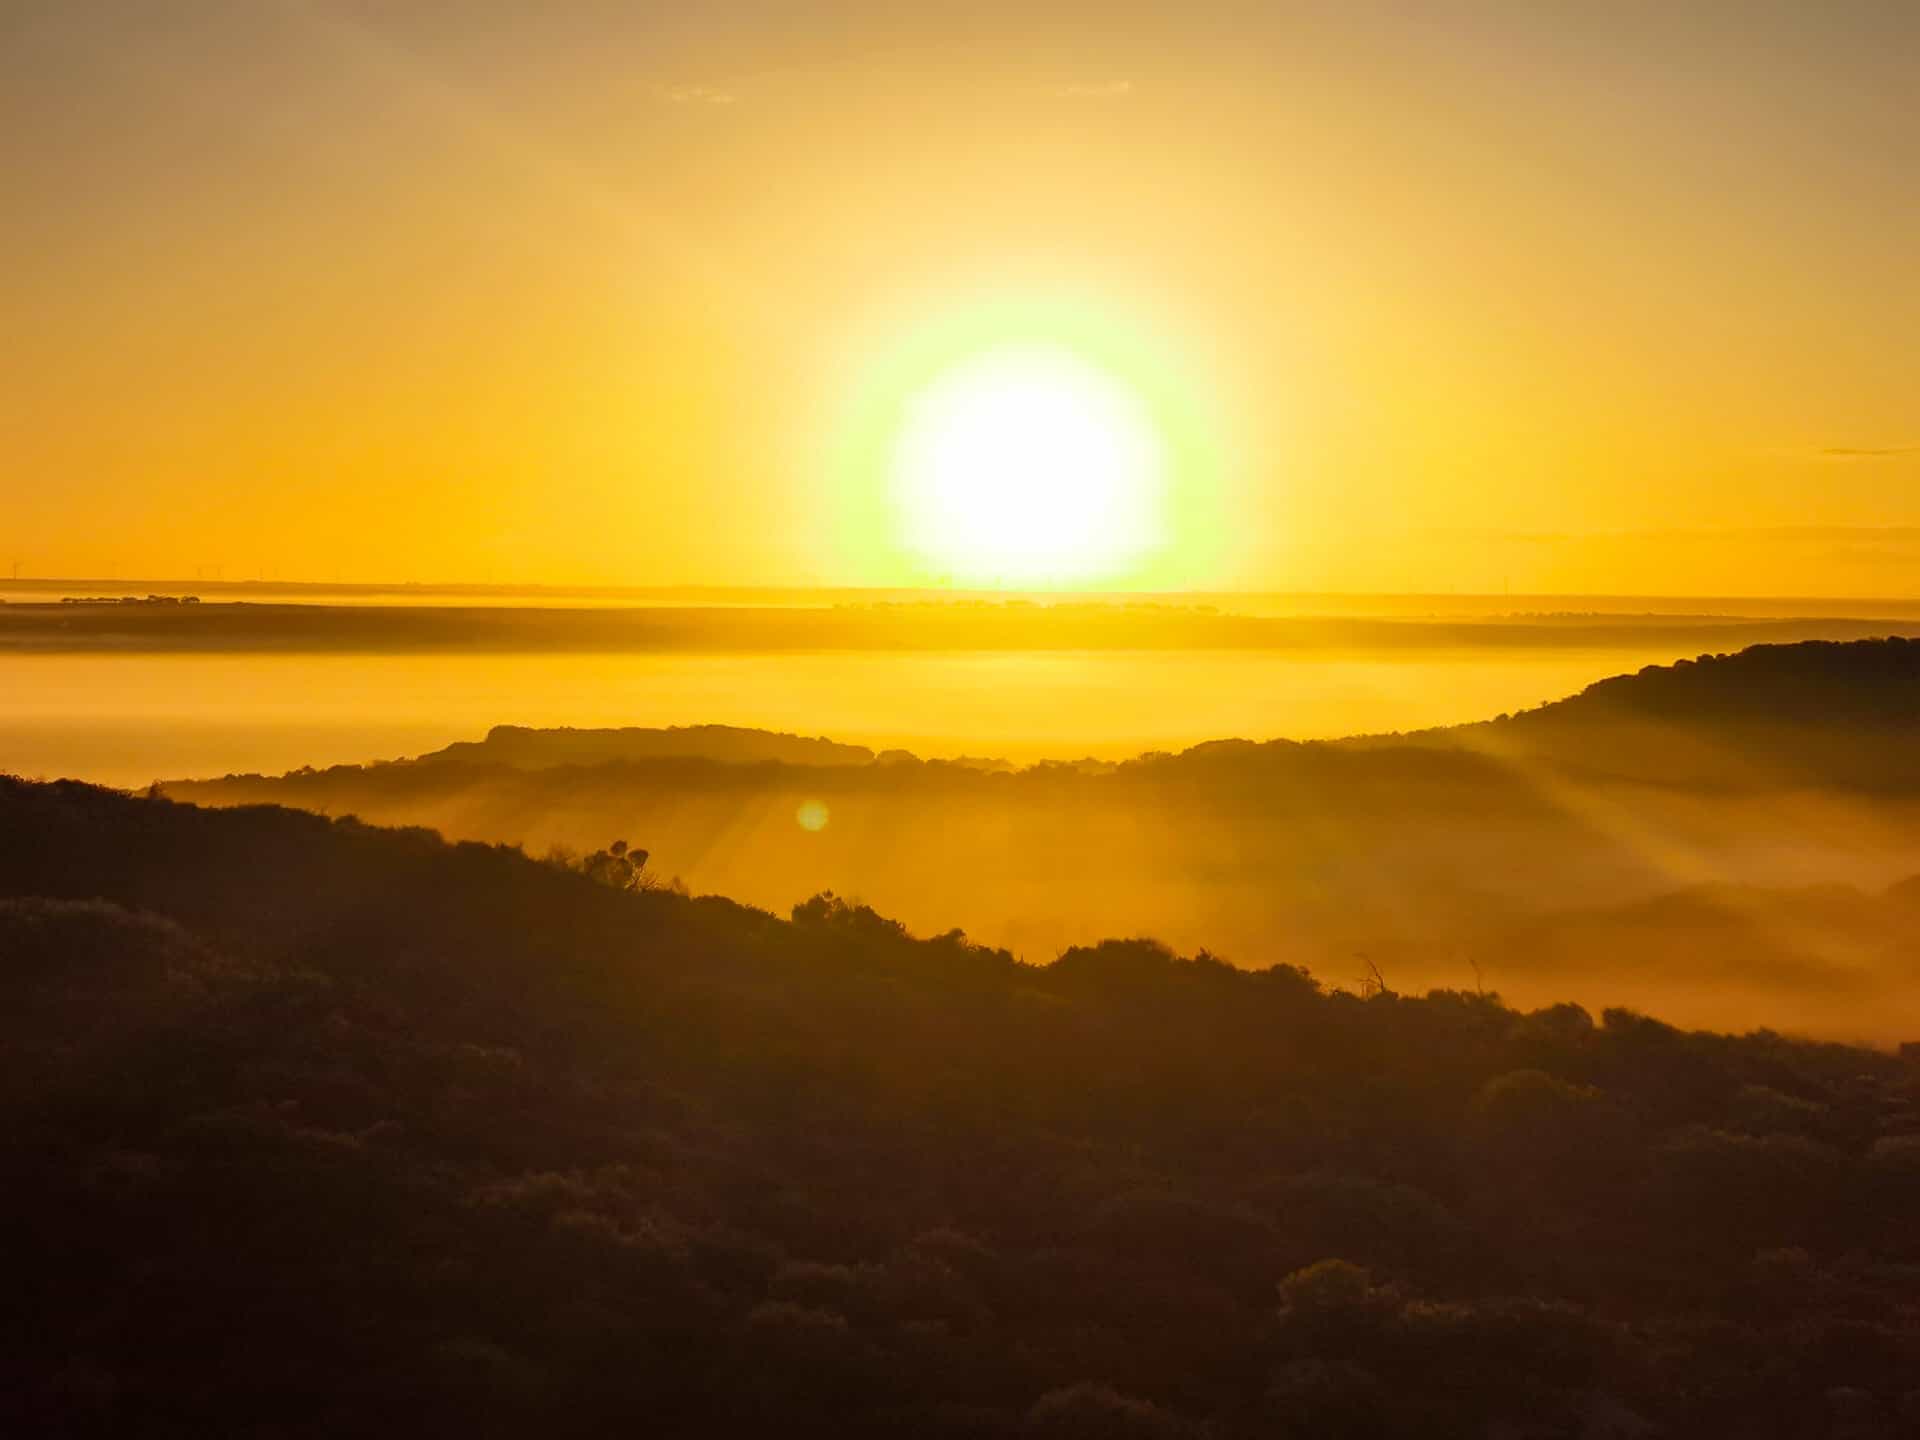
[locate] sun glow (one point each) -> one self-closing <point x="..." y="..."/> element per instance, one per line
<point x="1027" y="464"/>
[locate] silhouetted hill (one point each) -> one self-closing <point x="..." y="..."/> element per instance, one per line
<point x="524" y="748"/>
<point x="1823" y="710"/>
<point x="1862" y="684"/>
<point x="1770" y="716"/>
<point x="1777" y="767"/>
<point x="320" y="1129"/>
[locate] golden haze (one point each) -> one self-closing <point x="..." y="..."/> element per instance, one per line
<point x="1461" y="294"/>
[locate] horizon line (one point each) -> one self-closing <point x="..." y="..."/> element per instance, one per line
<point x="571" y="588"/>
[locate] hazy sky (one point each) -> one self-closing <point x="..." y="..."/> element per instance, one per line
<point x="1450" y="294"/>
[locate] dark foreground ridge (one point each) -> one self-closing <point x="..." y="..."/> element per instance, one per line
<point x="320" y="1130"/>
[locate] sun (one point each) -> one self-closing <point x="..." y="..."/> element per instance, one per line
<point x="1026" y="464"/>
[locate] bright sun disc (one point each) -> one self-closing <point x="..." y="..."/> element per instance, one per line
<point x="1027" y="464"/>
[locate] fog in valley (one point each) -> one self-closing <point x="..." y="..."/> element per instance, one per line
<point x="1039" y="798"/>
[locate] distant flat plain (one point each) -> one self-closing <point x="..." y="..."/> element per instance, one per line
<point x="268" y="678"/>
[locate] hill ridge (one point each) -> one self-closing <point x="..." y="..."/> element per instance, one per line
<point x="368" y="1133"/>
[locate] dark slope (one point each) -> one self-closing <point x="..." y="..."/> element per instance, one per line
<point x="1868" y="685"/>
<point x="1819" y="713"/>
<point x="320" y="1129"/>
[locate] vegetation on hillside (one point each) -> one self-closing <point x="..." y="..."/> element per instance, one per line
<point x="321" y="1129"/>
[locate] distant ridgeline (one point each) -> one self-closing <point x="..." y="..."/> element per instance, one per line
<point x="266" y="624"/>
<point x="1817" y="712"/>
<point x="1807" y="715"/>
<point x="129" y="600"/>
<point x="525" y="748"/>
<point x="522" y="747"/>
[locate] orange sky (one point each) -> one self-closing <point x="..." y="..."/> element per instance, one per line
<point x="1461" y="295"/>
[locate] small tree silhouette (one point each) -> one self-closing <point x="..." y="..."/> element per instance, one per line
<point x="617" y="867"/>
